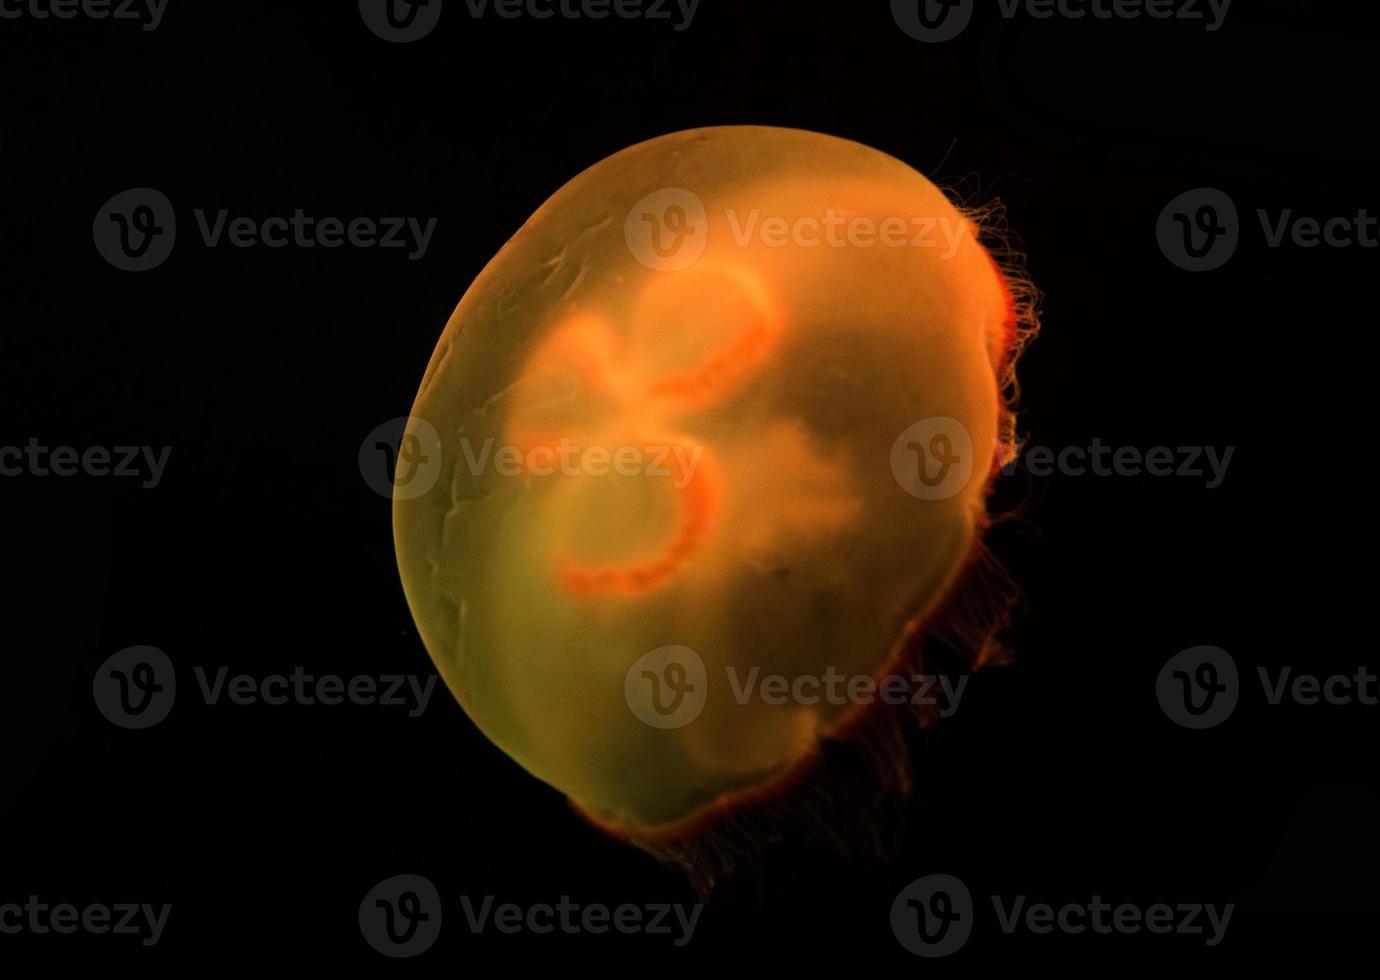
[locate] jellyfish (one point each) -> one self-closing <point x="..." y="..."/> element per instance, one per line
<point x="716" y="430"/>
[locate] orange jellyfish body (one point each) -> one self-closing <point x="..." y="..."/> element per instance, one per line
<point x="716" y="425"/>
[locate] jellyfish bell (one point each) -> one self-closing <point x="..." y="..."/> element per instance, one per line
<point x="717" y="428"/>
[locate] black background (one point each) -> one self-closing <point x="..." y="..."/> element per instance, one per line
<point x="263" y="549"/>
